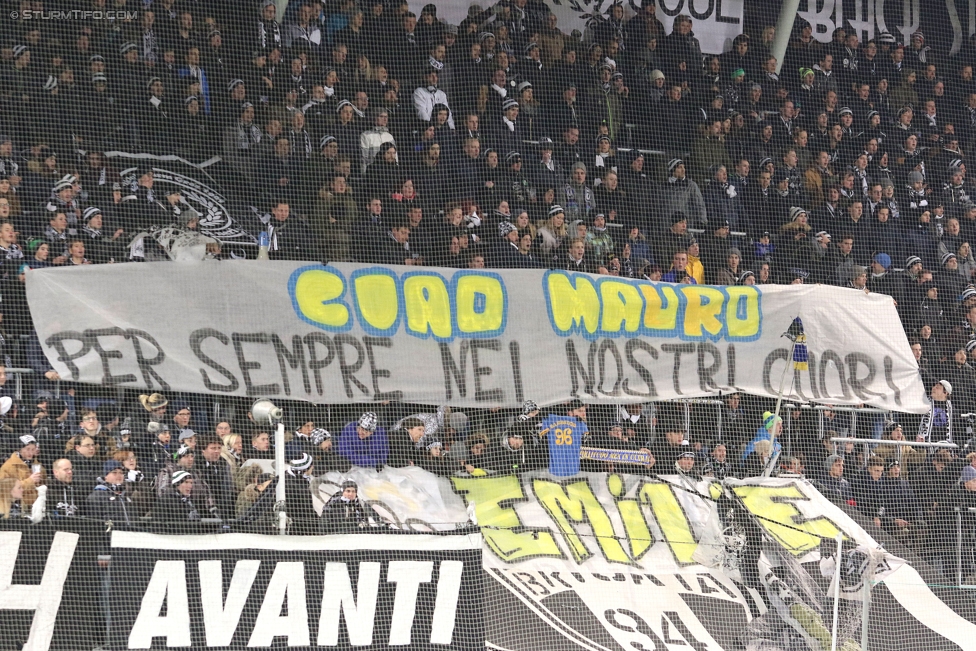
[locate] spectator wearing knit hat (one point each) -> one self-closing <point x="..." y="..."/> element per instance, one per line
<point x="681" y="194"/>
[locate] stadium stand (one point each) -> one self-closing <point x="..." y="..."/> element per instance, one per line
<point x="335" y="131"/>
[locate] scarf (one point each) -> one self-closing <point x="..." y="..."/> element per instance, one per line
<point x="936" y="418"/>
<point x="509" y="124"/>
<point x="303" y="142"/>
<point x="149" y="45"/>
<point x="13" y="253"/>
<point x="9" y="166"/>
<point x="269" y="33"/>
<point x="247" y="136"/>
<point x="435" y="64"/>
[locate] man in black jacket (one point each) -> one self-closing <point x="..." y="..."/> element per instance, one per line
<point x="298" y="496"/>
<point x="215" y="471"/>
<point x="344" y="512"/>
<point x="109" y="500"/>
<point x="176" y="506"/>
<point x="61" y="499"/>
<point x="393" y="247"/>
<point x="290" y="237"/>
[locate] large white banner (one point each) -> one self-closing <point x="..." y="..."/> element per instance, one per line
<point x="714" y="22"/>
<point x="613" y="561"/>
<point x="350" y="332"/>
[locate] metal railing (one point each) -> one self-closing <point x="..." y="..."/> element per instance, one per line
<point x="869" y="444"/>
<point x="821" y="410"/>
<point x="959" y="545"/>
<point x="17" y="374"/>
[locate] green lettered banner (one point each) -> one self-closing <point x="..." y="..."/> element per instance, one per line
<point x="349" y="332"/>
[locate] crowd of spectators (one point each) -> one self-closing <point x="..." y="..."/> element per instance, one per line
<point x="161" y="461"/>
<point x="362" y="132"/>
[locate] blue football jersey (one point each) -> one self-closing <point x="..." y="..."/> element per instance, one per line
<point x="565" y="435"/>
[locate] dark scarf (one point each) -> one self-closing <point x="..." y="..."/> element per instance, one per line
<point x="269" y="32"/>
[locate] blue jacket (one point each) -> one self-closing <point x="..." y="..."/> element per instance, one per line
<point x="369" y="453"/>
<point x="762" y="434"/>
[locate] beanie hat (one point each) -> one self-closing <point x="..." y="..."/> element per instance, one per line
<point x="795" y="213"/>
<point x="673" y="164"/>
<point x="504" y="228"/>
<point x="179" y="477"/>
<point x="303" y="462"/>
<point x="883" y="259"/>
<point x="556" y="210"/>
<point x="831" y="460"/>
<point x="368" y="421"/>
<point x="509" y="103"/>
<point x="110" y="465"/>
<point x="947" y="257"/>
<point x="968" y="293"/>
<point x="945" y="385"/>
<point x="90" y="212"/>
<point x="912" y="259"/>
<point x="769" y="421"/>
